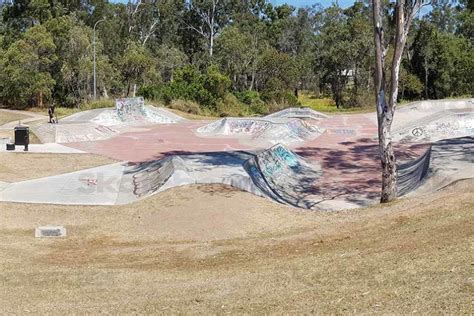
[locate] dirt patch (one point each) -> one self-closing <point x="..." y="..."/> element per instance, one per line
<point x="21" y="166"/>
<point x="210" y="249"/>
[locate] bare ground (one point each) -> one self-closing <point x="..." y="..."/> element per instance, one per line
<point x="212" y="249"/>
<point x="26" y="166"/>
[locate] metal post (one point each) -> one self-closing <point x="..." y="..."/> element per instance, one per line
<point x="94" y="67"/>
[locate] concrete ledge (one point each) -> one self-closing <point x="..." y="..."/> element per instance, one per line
<point x="50" y="232"/>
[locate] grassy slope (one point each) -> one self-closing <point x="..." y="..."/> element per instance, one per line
<point x="202" y="249"/>
<point x="327" y="105"/>
<point x="7" y="117"/>
<point x="17" y="166"/>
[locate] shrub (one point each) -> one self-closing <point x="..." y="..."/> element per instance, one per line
<point x="185" y="106"/>
<point x="151" y="92"/>
<point x="231" y="106"/>
<point x="190" y="84"/>
<point x="285" y="98"/>
<point x="253" y="100"/>
<point x="216" y="83"/>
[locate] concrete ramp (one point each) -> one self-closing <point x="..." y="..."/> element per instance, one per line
<point x="215" y="167"/>
<point x="96" y="186"/>
<point x="276" y="173"/>
<point x="101" y="124"/>
<point x="70" y="131"/>
<point x="445" y="162"/>
<point x="298" y="113"/>
<point x="145" y="115"/>
<point x="437" y="126"/>
<point x="284" y="176"/>
<point x="262" y="130"/>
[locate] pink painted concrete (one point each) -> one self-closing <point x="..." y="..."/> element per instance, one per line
<point x="347" y="151"/>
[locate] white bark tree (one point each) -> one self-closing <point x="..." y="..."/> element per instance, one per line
<point x="208" y="14"/>
<point x="143" y="18"/>
<point x="405" y="11"/>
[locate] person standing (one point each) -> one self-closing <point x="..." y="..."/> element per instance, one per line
<point x="51" y="114"/>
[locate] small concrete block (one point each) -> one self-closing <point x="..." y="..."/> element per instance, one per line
<point x="50" y="231"/>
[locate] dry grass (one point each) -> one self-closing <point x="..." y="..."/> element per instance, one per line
<point x="214" y="250"/>
<point x="191" y="116"/>
<point x="7" y="117"/>
<point x="25" y="166"/>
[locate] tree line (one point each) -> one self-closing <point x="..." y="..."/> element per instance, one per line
<point x="229" y="57"/>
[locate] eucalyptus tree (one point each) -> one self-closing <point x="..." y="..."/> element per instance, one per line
<point x="206" y="18"/>
<point x="405" y="12"/>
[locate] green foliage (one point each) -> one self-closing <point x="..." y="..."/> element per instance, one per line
<point x="254" y="101"/>
<point x="443" y="62"/>
<point x="281" y="97"/>
<point x="138" y="66"/>
<point x="152" y="92"/>
<point x="263" y="54"/>
<point x="216" y="83"/>
<point x="190" y="84"/>
<point x="410" y="85"/>
<point x="26" y="77"/>
<point x="229" y="105"/>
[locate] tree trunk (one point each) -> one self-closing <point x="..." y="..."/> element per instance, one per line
<point x="211" y="45"/>
<point x="252" y="82"/>
<point x="384" y="112"/>
<point x="426" y="78"/>
<point x="40" y="99"/>
<point x="387" y="156"/>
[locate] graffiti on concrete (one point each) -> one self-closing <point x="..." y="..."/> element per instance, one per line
<point x="418" y="131"/>
<point x="287" y="156"/>
<point x="343" y="131"/>
<point x="285" y="174"/>
<point x="130" y="108"/>
<point x="440" y="126"/>
<point x="247" y="126"/>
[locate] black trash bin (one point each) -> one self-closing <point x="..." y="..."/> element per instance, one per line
<point x="22" y="135"/>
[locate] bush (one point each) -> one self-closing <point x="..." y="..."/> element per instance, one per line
<point x="185" y="106"/>
<point x="253" y="100"/>
<point x="231" y="106"/>
<point x="190" y="84"/>
<point x="151" y="92"/>
<point x="285" y="98"/>
<point x="410" y="86"/>
<point x="216" y="83"/>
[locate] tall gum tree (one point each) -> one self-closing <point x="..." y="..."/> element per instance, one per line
<point x="405" y="11"/>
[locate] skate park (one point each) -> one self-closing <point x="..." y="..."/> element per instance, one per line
<point x="298" y="157"/>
